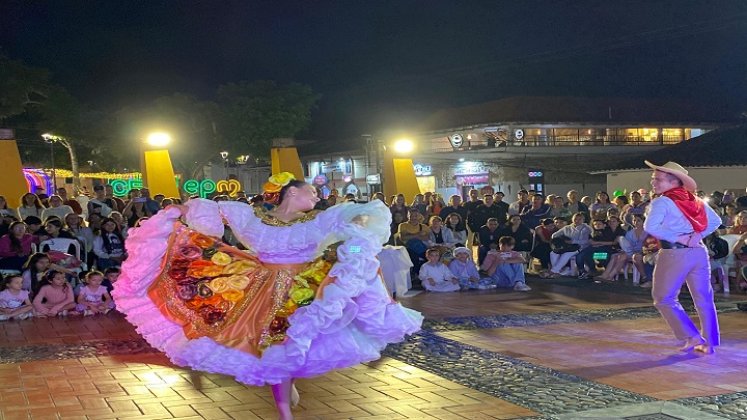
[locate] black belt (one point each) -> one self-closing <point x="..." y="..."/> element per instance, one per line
<point x="672" y="245"/>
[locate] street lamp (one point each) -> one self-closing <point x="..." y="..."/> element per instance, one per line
<point x="158" y="139"/>
<point x="403" y="146"/>
<point x="51" y="139"/>
<point x="224" y="155"/>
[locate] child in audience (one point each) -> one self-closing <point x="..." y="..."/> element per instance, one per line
<point x="465" y="271"/>
<point x="93" y="298"/>
<point x="33" y="273"/>
<point x="111" y="275"/>
<point x="506" y="266"/>
<point x="54" y="298"/>
<point x="435" y="275"/>
<point x="14" y="301"/>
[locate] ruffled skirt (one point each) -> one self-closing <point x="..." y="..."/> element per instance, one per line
<point x="214" y="308"/>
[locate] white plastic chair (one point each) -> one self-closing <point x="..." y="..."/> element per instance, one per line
<point x="63" y="245"/>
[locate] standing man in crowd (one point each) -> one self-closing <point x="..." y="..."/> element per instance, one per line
<point x="454" y="206"/>
<point x="471" y="205"/>
<point x="680" y="221"/>
<point x="517" y="206"/>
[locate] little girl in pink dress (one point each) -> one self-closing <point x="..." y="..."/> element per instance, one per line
<point x="93" y="298"/>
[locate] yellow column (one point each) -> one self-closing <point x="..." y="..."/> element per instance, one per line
<point x="399" y="178"/>
<point x="285" y="159"/>
<point x="158" y="175"/>
<point x="13" y="184"/>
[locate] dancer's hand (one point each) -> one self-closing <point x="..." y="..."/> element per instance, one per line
<point x="182" y="208"/>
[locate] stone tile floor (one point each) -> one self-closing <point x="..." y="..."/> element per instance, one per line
<point x="566" y="350"/>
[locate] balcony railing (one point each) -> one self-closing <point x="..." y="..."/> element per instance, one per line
<point x="558" y="141"/>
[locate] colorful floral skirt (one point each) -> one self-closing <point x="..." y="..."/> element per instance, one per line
<point x="215" y="308"/>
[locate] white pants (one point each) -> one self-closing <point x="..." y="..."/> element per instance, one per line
<point x="559" y="261"/>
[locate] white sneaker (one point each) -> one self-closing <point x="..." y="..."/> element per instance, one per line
<point x="522" y="287"/>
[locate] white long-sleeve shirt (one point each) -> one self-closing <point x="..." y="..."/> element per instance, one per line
<point x="665" y="221"/>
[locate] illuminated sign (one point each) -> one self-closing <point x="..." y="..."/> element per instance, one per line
<point x="422" y="170"/>
<point x="203" y="188"/>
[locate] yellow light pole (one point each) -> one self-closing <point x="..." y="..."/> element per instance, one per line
<point x="399" y="173"/>
<point x="158" y="173"/>
<point x="14" y="183"/>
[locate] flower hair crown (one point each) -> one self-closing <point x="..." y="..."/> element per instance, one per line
<point x="278" y="181"/>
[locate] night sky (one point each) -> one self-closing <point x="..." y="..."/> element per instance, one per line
<point x="385" y="64"/>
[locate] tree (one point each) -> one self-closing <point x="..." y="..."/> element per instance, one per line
<point x="254" y="113"/>
<point x="20" y="86"/>
<point x="191" y="123"/>
<point x="68" y="123"/>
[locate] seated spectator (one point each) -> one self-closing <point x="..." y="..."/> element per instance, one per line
<point x="455" y="206"/>
<point x="740" y="258"/>
<point x="14" y="301"/>
<point x="72" y="203"/>
<point x="718" y="250"/>
<point x="420" y="205"/>
<point x="602" y="240"/>
<point x="6" y="211"/>
<point x="108" y="245"/>
<point x="575" y="206"/>
<point x="439" y="236"/>
<point x="435" y="275"/>
<point x="651" y="247"/>
<point x="122" y="223"/>
<point x="111" y="275"/>
<point x="630" y="244"/>
<point x="466" y="272"/>
<point x="134" y="209"/>
<point x="34" y="226"/>
<point x="516" y="229"/>
<point x="54" y="229"/>
<point x="560" y="222"/>
<point x="458" y="229"/>
<point x="84" y="234"/>
<point x="620" y="201"/>
<point x="599" y="208"/>
<point x="559" y="209"/>
<point x="488" y="236"/>
<point x="542" y="248"/>
<point x="398" y="208"/>
<point x="56" y="208"/>
<point x="414" y="235"/>
<point x="436" y="205"/>
<point x="94" y="222"/>
<point x="93" y="298"/>
<point x="636" y="207"/>
<point x="566" y="244"/>
<point x="506" y="266"/>
<point x="33" y="272"/>
<point x="55" y="296"/>
<point x="586" y="200"/>
<point x="532" y="214"/>
<point x="15" y="247"/>
<point x="740" y="224"/>
<point x="730" y="215"/>
<point x="30" y="206"/>
<point x="100" y="204"/>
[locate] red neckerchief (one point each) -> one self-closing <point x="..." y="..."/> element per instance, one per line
<point x="692" y="208"/>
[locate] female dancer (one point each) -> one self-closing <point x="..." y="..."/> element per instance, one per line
<point x="306" y="298"/>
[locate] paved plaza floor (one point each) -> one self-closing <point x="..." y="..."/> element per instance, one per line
<point x="565" y="350"/>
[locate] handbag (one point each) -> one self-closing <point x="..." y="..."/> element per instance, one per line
<point x="560" y="246"/>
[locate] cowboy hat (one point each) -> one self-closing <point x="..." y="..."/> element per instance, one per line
<point x="677" y="170"/>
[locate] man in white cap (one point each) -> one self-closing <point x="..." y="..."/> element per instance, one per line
<point x="680" y="221"/>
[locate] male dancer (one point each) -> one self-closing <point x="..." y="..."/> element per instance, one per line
<point x="680" y="221"/>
